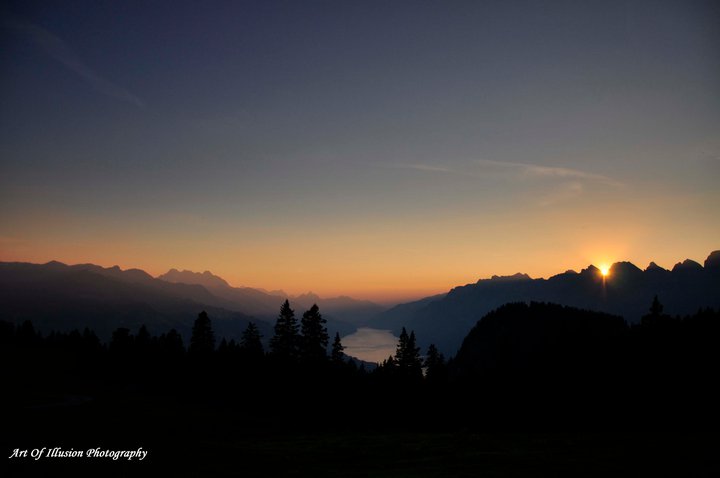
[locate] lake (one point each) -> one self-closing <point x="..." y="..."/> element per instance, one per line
<point x="371" y="345"/>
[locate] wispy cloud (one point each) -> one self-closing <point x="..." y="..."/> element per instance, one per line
<point x="555" y="184"/>
<point x="513" y="168"/>
<point x="422" y="167"/>
<point x="564" y="192"/>
<point x="534" y="170"/>
<point x="59" y="50"/>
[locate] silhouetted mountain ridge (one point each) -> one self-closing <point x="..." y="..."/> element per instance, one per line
<point x="713" y="261"/>
<point x="60" y="296"/>
<point x="627" y="291"/>
<point x="537" y="338"/>
<point x="250" y="301"/>
<point x="515" y="277"/>
<point x="342" y="309"/>
<point x="56" y="296"/>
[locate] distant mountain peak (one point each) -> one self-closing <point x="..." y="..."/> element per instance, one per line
<point x="713" y="260"/>
<point x="687" y="265"/>
<point x="55" y="265"/>
<point x="207" y="278"/>
<point x="308" y="296"/>
<point x="652" y="267"/>
<point x="138" y="274"/>
<point x="515" y="277"/>
<point x="626" y="292"/>
<point x="276" y="293"/>
<point x="624" y="267"/>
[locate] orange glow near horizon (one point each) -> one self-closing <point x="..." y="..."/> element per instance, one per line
<point x="385" y="279"/>
<point x="376" y="258"/>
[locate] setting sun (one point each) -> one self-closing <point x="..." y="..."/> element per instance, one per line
<point x="604" y="270"/>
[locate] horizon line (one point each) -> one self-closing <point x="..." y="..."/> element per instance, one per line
<point x="374" y="295"/>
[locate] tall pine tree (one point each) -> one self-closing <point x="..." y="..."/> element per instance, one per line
<point x="285" y="343"/>
<point x="435" y="367"/>
<point x="407" y="356"/>
<point x="171" y="345"/>
<point x="250" y="344"/>
<point x="314" y="335"/>
<point x="337" y="356"/>
<point x="655" y="316"/>
<point x="202" y="341"/>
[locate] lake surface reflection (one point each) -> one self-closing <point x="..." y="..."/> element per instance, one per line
<point x="371" y="345"/>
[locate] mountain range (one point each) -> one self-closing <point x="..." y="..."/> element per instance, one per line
<point x="261" y="303"/>
<point x="62" y="297"/>
<point x="626" y="291"/>
<point x="56" y="296"/>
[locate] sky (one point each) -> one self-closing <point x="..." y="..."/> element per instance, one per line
<point x="379" y="149"/>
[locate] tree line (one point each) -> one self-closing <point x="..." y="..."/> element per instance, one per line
<point x="297" y="351"/>
<point x="520" y="363"/>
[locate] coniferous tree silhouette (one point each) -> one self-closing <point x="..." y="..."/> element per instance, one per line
<point x="91" y="341"/>
<point x="171" y="345"/>
<point x="386" y="371"/>
<point x="435" y="365"/>
<point x="250" y="344"/>
<point x="202" y="341"/>
<point x="409" y="364"/>
<point x="314" y="336"/>
<point x="337" y="355"/>
<point x="284" y="344"/>
<point x="655" y="316"/>
<point x="142" y="340"/>
<point x="518" y="349"/>
<point x="122" y="341"/>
